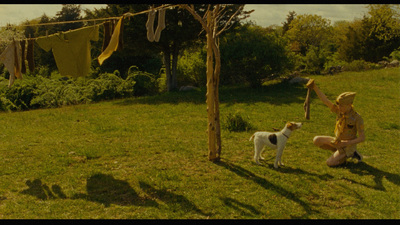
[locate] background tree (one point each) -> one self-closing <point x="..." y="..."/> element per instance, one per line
<point x="290" y="17"/>
<point x="251" y="54"/>
<point x="382" y="30"/>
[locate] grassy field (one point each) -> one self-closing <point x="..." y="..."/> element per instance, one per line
<point x="146" y="158"/>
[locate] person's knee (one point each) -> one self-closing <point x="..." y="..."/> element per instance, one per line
<point x="335" y="161"/>
<point x="317" y="141"/>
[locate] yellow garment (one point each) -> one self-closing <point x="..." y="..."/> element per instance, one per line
<point x="113" y="45"/>
<point x="347" y="127"/>
<point x="11" y="57"/>
<point x="71" y="50"/>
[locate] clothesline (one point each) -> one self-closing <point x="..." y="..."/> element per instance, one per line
<point x="128" y="14"/>
<point x="64" y="45"/>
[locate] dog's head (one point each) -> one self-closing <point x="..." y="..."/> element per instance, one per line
<point x="293" y="125"/>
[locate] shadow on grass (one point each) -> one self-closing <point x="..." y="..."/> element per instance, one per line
<point x="245" y="209"/>
<point x="276" y="94"/>
<point x="100" y="188"/>
<point x="107" y="190"/>
<point x="171" y="199"/>
<point x="267" y="185"/>
<point x="42" y="191"/>
<point x="364" y="169"/>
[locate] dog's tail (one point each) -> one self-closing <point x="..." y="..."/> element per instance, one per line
<point x="251" y="138"/>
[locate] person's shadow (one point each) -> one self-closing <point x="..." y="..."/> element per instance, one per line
<point x="107" y="190"/>
<point x="363" y="169"/>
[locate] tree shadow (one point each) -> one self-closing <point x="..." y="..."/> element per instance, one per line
<point x="266" y="184"/>
<point x="107" y="190"/>
<point x="42" y="191"/>
<point x="364" y="169"/>
<point x="173" y="200"/>
<point x="277" y="94"/>
<point x="245" y="209"/>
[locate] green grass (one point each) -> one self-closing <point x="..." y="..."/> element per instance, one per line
<point x="146" y="158"/>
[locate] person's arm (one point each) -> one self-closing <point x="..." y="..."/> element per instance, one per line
<point x="322" y="96"/>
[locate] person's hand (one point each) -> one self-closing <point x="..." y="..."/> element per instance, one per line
<point x="310" y="84"/>
<point x="342" y="144"/>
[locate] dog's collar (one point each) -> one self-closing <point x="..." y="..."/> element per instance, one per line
<point x="285" y="135"/>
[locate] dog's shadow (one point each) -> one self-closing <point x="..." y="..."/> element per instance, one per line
<point x="290" y="170"/>
<point x="265" y="184"/>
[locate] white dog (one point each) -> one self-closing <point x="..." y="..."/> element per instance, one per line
<point x="275" y="140"/>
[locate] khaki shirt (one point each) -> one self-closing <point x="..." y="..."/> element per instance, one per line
<point x="348" y="129"/>
<point x="353" y="123"/>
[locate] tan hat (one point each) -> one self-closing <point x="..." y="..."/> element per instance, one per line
<point x="345" y="98"/>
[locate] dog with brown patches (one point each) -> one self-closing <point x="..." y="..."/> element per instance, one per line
<point x="274" y="140"/>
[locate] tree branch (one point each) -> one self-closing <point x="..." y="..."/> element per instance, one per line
<point x="230" y="19"/>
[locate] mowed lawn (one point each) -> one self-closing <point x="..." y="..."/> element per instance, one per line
<point x="146" y="158"/>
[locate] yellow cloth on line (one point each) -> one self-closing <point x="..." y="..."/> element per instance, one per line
<point x="71" y="50"/>
<point x="113" y="45"/>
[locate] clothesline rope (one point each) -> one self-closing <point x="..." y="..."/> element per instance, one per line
<point x="128" y="14"/>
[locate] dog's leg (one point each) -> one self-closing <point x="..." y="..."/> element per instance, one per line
<point x="279" y="152"/>
<point x="262" y="150"/>
<point x="257" y="151"/>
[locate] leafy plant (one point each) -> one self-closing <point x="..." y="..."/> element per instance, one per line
<point x="236" y="122"/>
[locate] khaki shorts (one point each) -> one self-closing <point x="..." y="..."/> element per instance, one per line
<point x="349" y="150"/>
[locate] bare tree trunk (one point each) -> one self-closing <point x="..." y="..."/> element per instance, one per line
<point x="167" y="63"/>
<point x="209" y="24"/>
<point x="175" y="54"/>
<point x="212" y="155"/>
<point x="216" y="83"/>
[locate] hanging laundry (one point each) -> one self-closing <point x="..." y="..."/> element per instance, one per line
<point x="161" y="24"/>
<point x="10" y="57"/>
<point x="23" y="67"/>
<point x="150" y="25"/>
<point x="17" y="60"/>
<point x="106" y="34"/>
<point x="151" y="36"/>
<point x="71" y="50"/>
<point x="114" y="42"/>
<point x="29" y="55"/>
<point x="121" y="39"/>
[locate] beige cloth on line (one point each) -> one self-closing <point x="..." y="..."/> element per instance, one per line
<point x="11" y="58"/>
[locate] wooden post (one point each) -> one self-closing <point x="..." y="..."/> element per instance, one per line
<point x="212" y="155"/>
<point x="210" y="25"/>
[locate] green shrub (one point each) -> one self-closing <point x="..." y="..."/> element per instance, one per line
<point x="236" y="122"/>
<point x="145" y="83"/>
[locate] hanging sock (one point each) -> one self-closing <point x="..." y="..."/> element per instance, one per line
<point x="29" y="55"/>
<point x="114" y="42"/>
<point x="150" y="25"/>
<point x="161" y="24"/>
